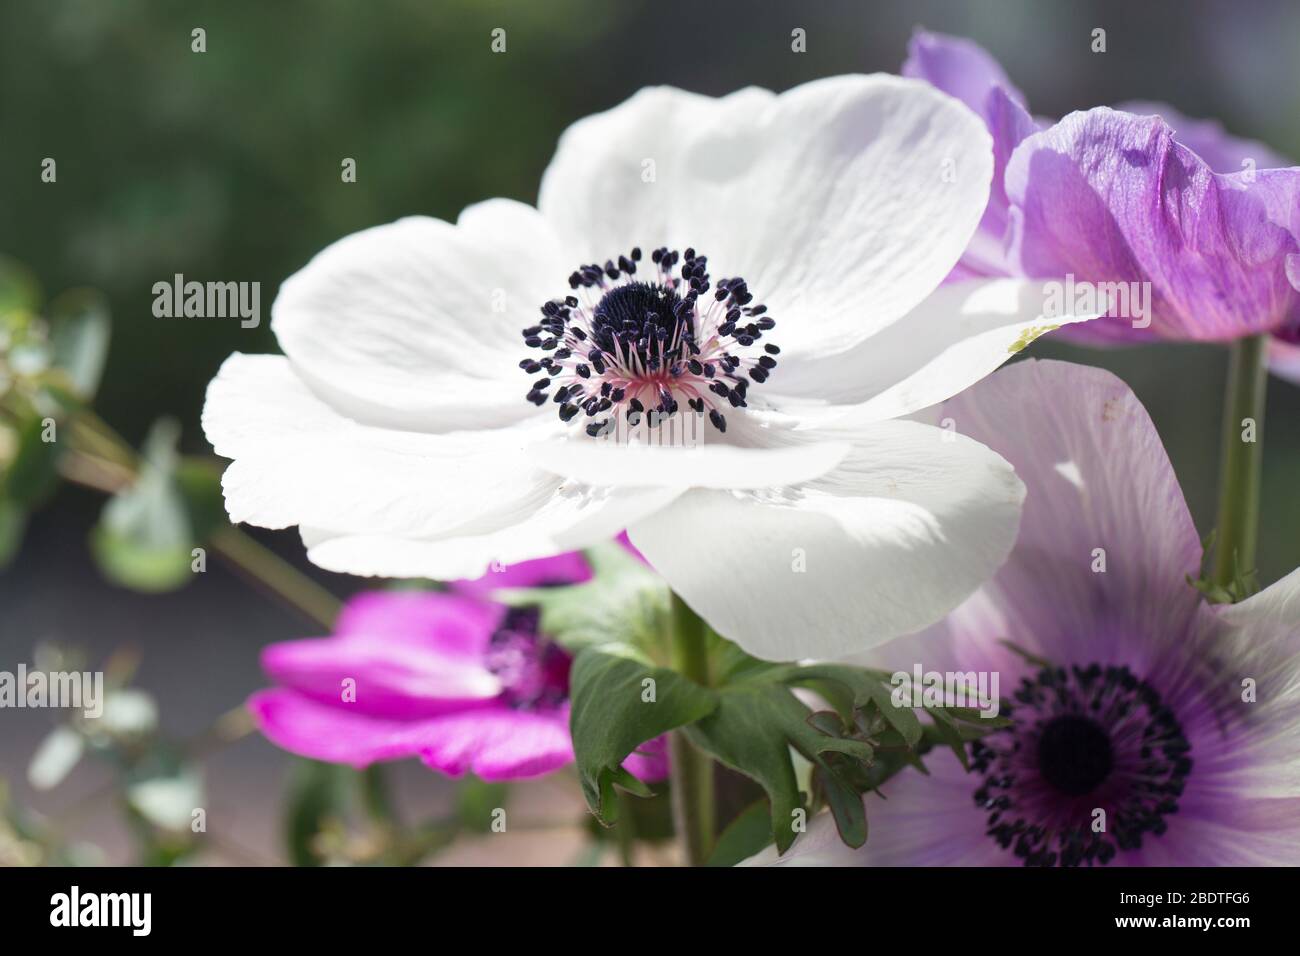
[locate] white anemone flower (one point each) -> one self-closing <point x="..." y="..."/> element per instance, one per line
<point x="447" y="391"/>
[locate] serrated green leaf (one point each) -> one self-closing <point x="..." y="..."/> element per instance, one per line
<point x="649" y="820"/>
<point x="746" y="835"/>
<point x="948" y="733"/>
<point x="867" y="688"/>
<point x="611" y="715"/>
<point x="751" y="730"/>
<point x="845" y="803"/>
<point x="972" y="715"/>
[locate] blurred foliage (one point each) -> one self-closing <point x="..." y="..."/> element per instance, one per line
<point x="155" y="783"/>
<point x="163" y="507"/>
<point x="51" y="359"/>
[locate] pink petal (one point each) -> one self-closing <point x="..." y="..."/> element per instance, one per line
<point x="499" y="743"/>
<point x="398" y="654"/>
<point x="649" y="762"/>
<point x="330" y="733"/>
<point x="567" y="568"/>
<point x="630" y="548"/>
<point x="399" y="681"/>
<point x="454" y="625"/>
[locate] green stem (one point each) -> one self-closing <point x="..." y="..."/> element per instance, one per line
<point x="376" y="796"/>
<point x="1240" y="466"/>
<point x="266" y="568"/>
<point x="690" y="768"/>
<point x="625" y="829"/>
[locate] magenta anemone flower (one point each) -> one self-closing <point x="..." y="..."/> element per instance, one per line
<point x="1134" y="195"/>
<point x="454" y="678"/>
<point x="1127" y="693"/>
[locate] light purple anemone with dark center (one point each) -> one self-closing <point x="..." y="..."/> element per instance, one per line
<point x="1127" y="693"/>
<point x="1135" y="194"/>
<point x="454" y="678"/>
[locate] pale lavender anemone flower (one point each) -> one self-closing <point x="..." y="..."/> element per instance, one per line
<point x="1130" y="694"/>
<point x="454" y="678"/>
<point x="1137" y="194"/>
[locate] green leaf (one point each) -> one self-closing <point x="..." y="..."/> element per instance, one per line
<point x="623" y="597"/>
<point x="868" y="688"/>
<point x="949" y="734"/>
<point x="845" y="802"/>
<point x="649" y="820"/>
<point x="144" y="538"/>
<point x="751" y="730"/>
<point x="611" y="715"/>
<point x="746" y="835"/>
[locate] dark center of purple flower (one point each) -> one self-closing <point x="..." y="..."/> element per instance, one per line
<point x="644" y="348"/>
<point x="1082" y="740"/>
<point x="1074" y="754"/>
<point x="533" y="669"/>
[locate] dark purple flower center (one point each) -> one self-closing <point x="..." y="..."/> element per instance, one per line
<point x="644" y="348"/>
<point x="1074" y="754"/>
<point x="1083" y="740"/>
<point x="533" y="669"/>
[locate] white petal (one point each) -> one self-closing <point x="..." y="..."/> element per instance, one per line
<point x="1284" y="360"/>
<point x="957" y="336"/>
<point x="298" y="461"/>
<point x="630" y="176"/>
<point x="1261" y="641"/>
<point x="1271" y="615"/>
<point x="843" y="202"/>
<point x="571" y="519"/>
<point x="704" y="466"/>
<point x="889" y="542"/>
<point x="416" y="324"/>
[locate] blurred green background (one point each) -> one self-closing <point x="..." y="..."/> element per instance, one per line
<point x="225" y="165"/>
